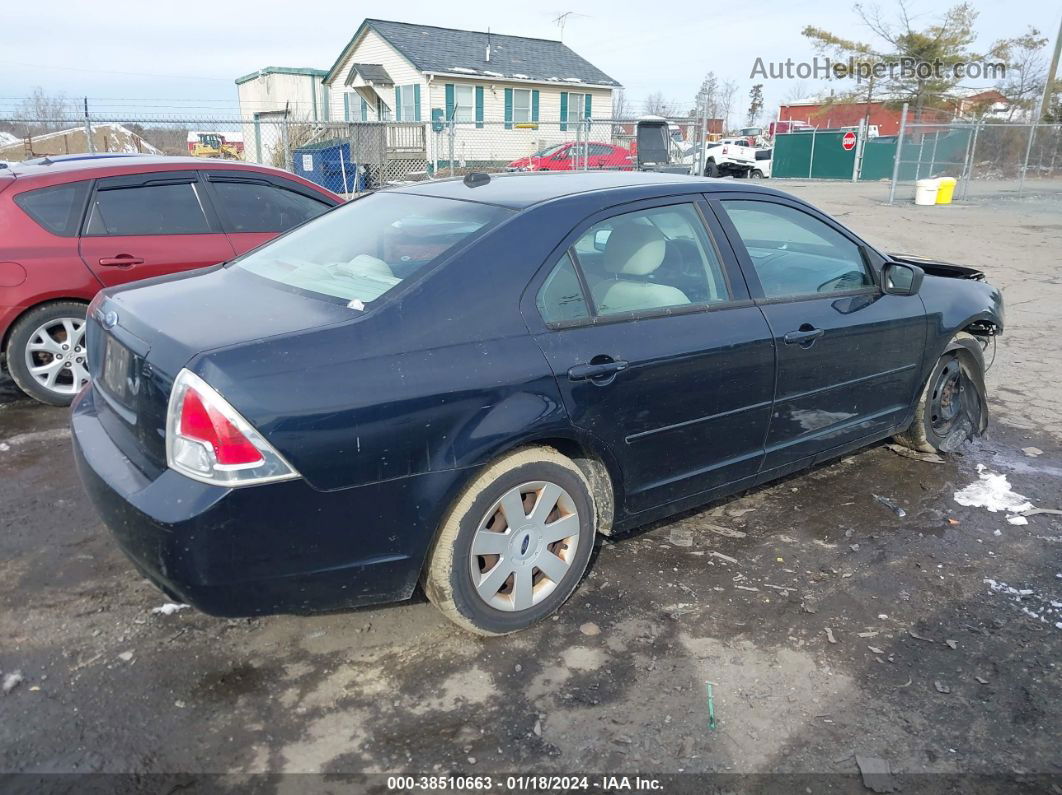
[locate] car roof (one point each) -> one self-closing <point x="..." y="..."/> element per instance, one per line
<point x="60" y="171"/>
<point x="517" y="191"/>
<point x="122" y="165"/>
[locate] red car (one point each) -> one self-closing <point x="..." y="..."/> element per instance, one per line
<point x="563" y="157"/>
<point x="74" y="226"/>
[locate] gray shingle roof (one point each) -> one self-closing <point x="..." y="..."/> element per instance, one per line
<point x="370" y="73"/>
<point x="446" y="50"/>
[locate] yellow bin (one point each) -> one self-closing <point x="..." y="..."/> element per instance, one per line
<point x="947" y="188"/>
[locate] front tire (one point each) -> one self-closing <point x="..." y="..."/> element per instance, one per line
<point x="945" y="399"/>
<point x="515" y="543"/>
<point x="711" y="170"/>
<point x="756" y="174"/>
<point x="46" y="352"/>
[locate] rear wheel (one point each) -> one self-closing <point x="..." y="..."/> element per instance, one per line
<point x="514" y="545"/>
<point x="46" y="352"/>
<point x="711" y="170"/>
<point x="756" y="174"/>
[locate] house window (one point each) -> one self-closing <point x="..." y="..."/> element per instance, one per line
<point x="464" y="103"/>
<point x="522" y="105"/>
<point x="576" y="108"/>
<point x="407" y="111"/>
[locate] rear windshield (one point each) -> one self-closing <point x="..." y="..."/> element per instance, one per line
<point x="363" y="249"/>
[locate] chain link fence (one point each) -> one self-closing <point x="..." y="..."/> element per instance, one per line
<point x="989" y="159"/>
<point x="348" y="157"/>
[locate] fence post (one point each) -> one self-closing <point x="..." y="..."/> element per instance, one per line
<point x="1025" y="165"/>
<point x="858" y="151"/>
<point x="899" y="152"/>
<point x="811" y="155"/>
<point x="971" y="146"/>
<point x="586" y="144"/>
<point x="918" y="165"/>
<point x="933" y="156"/>
<point x="88" y="130"/>
<point x="452" y="134"/>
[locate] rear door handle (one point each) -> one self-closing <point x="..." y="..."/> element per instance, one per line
<point x="805" y="336"/>
<point x="595" y="372"/>
<point x="121" y="259"/>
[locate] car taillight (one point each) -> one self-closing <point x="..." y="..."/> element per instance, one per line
<point x="207" y="439"/>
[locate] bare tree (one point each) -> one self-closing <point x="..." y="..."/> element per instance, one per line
<point x="41" y="112"/>
<point x="620" y="107"/>
<point x="1026" y="69"/>
<point x="657" y="105"/>
<point x="727" y="93"/>
<point x="797" y="91"/>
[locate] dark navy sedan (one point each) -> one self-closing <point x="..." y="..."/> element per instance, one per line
<point x="461" y="383"/>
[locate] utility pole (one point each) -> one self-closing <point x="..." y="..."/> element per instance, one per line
<point x="1049" y="84"/>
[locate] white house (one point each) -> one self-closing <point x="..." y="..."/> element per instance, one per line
<point x="509" y="95"/>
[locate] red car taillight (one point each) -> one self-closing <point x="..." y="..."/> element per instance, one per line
<point x="202" y="424"/>
<point x="208" y="440"/>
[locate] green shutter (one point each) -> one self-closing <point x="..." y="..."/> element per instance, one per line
<point x="564" y="111"/>
<point x="534" y="104"/>
<point x="588" y="98"/>
<point x="479" y="106"/>
<point x="416" y="101"/>
<point x="398" y="103"/>
<point x="449" y="101"/>
<point x="346" y="106"/>
<point x="364" y="110"/>
<point x="508" y="109"/>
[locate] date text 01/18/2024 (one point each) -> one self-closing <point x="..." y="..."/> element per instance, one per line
<point x="522" y="783"/>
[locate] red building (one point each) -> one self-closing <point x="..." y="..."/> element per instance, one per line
<point x="825" y="115"/>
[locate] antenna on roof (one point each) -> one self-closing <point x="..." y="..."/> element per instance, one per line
<point x="488" y="45"/>
<point x="562" y="20"/>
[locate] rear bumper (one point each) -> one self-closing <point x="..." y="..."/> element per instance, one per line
<point x="277" y="548"/>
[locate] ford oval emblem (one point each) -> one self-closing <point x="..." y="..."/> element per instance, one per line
<point x="109" y="320"/>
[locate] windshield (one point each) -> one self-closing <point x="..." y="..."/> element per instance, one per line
<point x="363" y="249"/>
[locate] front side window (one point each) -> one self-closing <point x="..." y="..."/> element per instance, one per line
<point x="651" y="259"/>
<point x="58" y="208"/>
<point x="147" y="210"/>
<point x="521" y="105"/>
<point x="365" y="248"/>
<point x="794" y="253"/>
<point x="464" y="103"/>
<point x="254" y="207"/>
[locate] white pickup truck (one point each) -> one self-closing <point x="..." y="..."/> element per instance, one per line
<point x="728" y="157"/>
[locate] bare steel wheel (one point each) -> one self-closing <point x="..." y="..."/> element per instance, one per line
<point x="524" y="545"/>
<point x="46" y="352"/>
<point x="514" y="544"/>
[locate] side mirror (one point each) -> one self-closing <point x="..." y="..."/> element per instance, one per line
<point x="899" y="278"/>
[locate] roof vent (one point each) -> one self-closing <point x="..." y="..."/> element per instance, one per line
<point x="476" y="178"/>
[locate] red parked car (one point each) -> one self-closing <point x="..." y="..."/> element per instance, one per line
<point x="74" y="226"/>
<point x="563" y="157"/>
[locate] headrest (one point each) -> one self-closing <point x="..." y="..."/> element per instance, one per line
<point x="634" y="248"/>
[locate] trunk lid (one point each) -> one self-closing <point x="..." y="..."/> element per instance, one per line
<point x="139" y="338"/>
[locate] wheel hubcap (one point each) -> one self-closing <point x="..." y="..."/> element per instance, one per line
<point x="524" y="545"/>
<point x="947" y="400"/>
<point x="55" y="355"/>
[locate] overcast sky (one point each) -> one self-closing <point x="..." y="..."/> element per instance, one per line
<point x="152" y="54"/>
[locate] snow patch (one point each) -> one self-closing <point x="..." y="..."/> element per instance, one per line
<point x="992" y="492"/>
<point x="519" y="76"/>
<point x="11" y="681"/>
<point x="492" y="74"/>
<point x="168" y="609"/>
<point x="1041" y="608"/>
<point x="464" y="70"/>
<point x="6" y="139"/>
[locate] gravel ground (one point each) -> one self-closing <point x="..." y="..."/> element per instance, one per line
<point x="829" y="627"/>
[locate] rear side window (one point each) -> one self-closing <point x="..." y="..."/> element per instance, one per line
<point x="147" y="210"/>
<point x="256" y="207"/>
<point x="58" y="209"/>
<point x="561" y="298"/>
